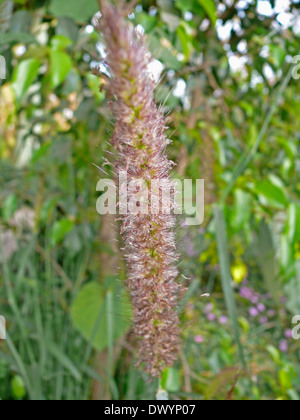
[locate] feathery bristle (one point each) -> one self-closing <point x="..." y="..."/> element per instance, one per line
<point x="140" y="143"/>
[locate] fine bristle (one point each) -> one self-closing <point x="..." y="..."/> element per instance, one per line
<point x="140" y="143"/>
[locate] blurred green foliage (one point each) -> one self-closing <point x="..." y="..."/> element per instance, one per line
<point x="233" y="111"/>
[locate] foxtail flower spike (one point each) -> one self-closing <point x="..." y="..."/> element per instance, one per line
<point x="140" y="143"/>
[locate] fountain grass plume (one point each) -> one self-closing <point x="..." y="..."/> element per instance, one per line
<point x="140" y="144"/>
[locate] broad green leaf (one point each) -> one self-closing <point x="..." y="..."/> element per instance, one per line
<point x="60" y="229"/>
<point x="274" y="353"/>
<point x="185" y="5"/>
<point x="60" y="42"/>
<point x="60" y="65"/>
<point x="21" y="21"/>
<point x="9" y="206"/>
<point x="91" y="316"/>
<point x="11" y="37"/>
<point x="286" y="252"/>
<point x="278" y="55"/>
<point x="210" y="9"/>
<point x="272" y="193"/>
<point x="293" y="223"/>
<point x="67" y="27"/>
<point x="185" y="41"/>
<point x="242" y="209"/>
<point x="147" y="22"/>
<point x="23" y="77"/>
<point x="285" y="378"/>
<point x="79" y="10"/>
<point x="171" y="380"/>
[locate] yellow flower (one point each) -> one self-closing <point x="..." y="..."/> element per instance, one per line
<point x="239" y="272"/>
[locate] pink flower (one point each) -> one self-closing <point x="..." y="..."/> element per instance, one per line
<point x="246" y="293"/>
<point x="283" y="346"/>
<point x="255" y="299"/>
<point x="261" y="307"/>
<point x="253" y="312"/>
<point x="223" y="320"/>
<point x="263" y="320"/>
<point x="199" y="339"/>
<point x="288" y="334"/>
<point x="211" y="317"/>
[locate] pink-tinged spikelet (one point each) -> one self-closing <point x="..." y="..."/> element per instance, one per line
<point x="140" y="143"/>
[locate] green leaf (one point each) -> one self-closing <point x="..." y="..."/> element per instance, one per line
<point x="285" y="378"/>
<point x="242" y="210"/>
<point x="60" y="42"/>
<point x="60" y="66"/>
<point x="21" y="21"/>
<point x="23" y="77"/>
<point x="171" y="380"/>
<point x="293" y="223"/>
<point x="90" y="315"/>
<point x="274" y="353"/>
<point x="60" y="229"/>
<point x="278" y="55"/>
<point x="210" y="9"/>
<point x="286" y="253"/>
<point x="185" y="5"/>
<point x="79" y="10"/>
<point x="226" y="279"/>
<point x="147" y="22"/>
<point x="185" y="41"/>
<point x="11" y="37"/>
<point x="9" y="206"/>
<point x="67" y="27"/>
<point x="274" y="194"/>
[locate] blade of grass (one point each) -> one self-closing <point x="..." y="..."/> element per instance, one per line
<point x="64" y="361"/>
<point x="13" y="304"/>
<point x="110" y="340"/>
<point x="223" y="252"/>
<point x="22" y="368"/>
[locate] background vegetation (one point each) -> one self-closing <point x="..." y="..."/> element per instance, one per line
<point x="233" y="110"/>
